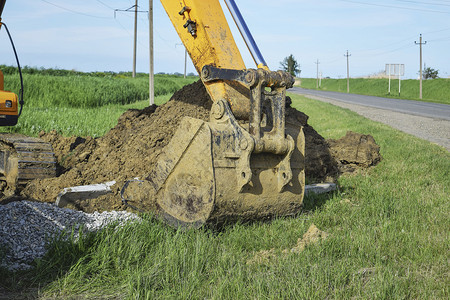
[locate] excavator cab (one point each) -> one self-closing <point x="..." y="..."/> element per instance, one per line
<point x="9" y="105"/>
<point x="9" y="102"/>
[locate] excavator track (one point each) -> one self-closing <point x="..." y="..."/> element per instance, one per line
<point x="24" y="158"/>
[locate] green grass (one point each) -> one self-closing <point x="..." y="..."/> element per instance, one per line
<point x="434" y="90"/>
<point x="49" y="91"/>
<point x="66" y="101"/>
<point x="388" y="226"/>
<point x="73" y="120"/>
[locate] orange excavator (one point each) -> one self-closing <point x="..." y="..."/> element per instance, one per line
<point x="246" y="162"/>
<point x="22" y="158"/>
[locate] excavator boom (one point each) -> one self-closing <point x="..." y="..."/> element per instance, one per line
<point x="205" y="33"/>
<point x="2" y="5"/>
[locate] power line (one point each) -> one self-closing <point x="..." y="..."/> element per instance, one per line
<point x="439" y="40"/>
<point x="394" y="50"/>
<point x="104" y="4"/>
<point x="408" y="45"/>
<point x="445" y="29"/>
<point x="73" y="11"/>
<point x="388" y="45"/>
<point x="425" y="3"/>
<point x="133" y="8"/>
<point x="335" y="59"/>
<point x="398" y="7"/>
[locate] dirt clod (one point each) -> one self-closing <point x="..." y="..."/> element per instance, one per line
<point x="312" y="236"/>
<point x="355" y="150"/>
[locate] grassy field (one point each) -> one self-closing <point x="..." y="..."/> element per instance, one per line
<point x="67" y="100"/>
<point x="434" y="90"/>
<point x="72" y="120"/>
<point x="47" y="91"/>
<point x="388" y="238"/>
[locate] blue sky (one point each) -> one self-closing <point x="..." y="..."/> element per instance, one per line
<point x="84" y="35"/>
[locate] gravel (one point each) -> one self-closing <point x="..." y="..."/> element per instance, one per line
<point x="26" y="227"/>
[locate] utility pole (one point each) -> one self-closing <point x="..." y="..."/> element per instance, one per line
<point x="420" y="44"/>
<point x="185" y="62"/>
<point x="135" y="38"/>
<point x="348" y="73"/>
<point x="317" y="74"/>
<point x="185" y="57"/>
<point x="151" y="79"/>
<point x="136" y="11"/>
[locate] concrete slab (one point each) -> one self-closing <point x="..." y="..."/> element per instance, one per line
<point x="319" y="188"/>
<point x="73" y="194"/>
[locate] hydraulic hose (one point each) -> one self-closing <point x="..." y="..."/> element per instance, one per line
<point x="246" y="34"/>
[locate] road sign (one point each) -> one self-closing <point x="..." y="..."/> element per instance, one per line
<point x="395" y="70"/>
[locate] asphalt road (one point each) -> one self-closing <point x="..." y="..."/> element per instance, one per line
<point x="429" y="121"/>
<point x="417" y="108"/>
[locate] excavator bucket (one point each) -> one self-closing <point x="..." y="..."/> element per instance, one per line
<point x="224" y="170"/>
<point x="201" y="178"/>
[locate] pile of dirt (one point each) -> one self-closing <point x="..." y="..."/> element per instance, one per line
<point x="133" y="146"/>
<point x="355" y="150"/>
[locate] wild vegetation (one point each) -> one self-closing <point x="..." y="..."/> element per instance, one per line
<point x="388" y="233"/>
<point x="289" y="64"/>
<point x="66" y="100"/>
<point x="434" y="90"/>
<point x="48" y="88"/>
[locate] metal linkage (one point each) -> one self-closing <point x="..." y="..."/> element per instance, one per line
<point x="250" y="77"/>
<point x="267" y="111"/>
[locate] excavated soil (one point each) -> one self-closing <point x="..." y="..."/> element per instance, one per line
<point x="132" y="147"/>
<point x="355" y="150"/>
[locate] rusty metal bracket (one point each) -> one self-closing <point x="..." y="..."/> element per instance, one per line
<point x="243" y="143"/>
<point x="184" y="9"/>
<point x="191" y="27"/>
<point x="267" y="111"/>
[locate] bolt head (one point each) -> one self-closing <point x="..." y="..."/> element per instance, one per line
<point x="243" y="144"/>
<point x="218" y="110"/>
<point x="249" y="77"/>
<point x="205" y="73"/>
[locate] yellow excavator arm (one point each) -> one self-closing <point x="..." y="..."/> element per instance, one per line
<point x="205" y="33"/>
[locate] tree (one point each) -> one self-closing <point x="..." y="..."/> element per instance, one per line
<point x="430" y="73"/>
<point x="290" y="65"/>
